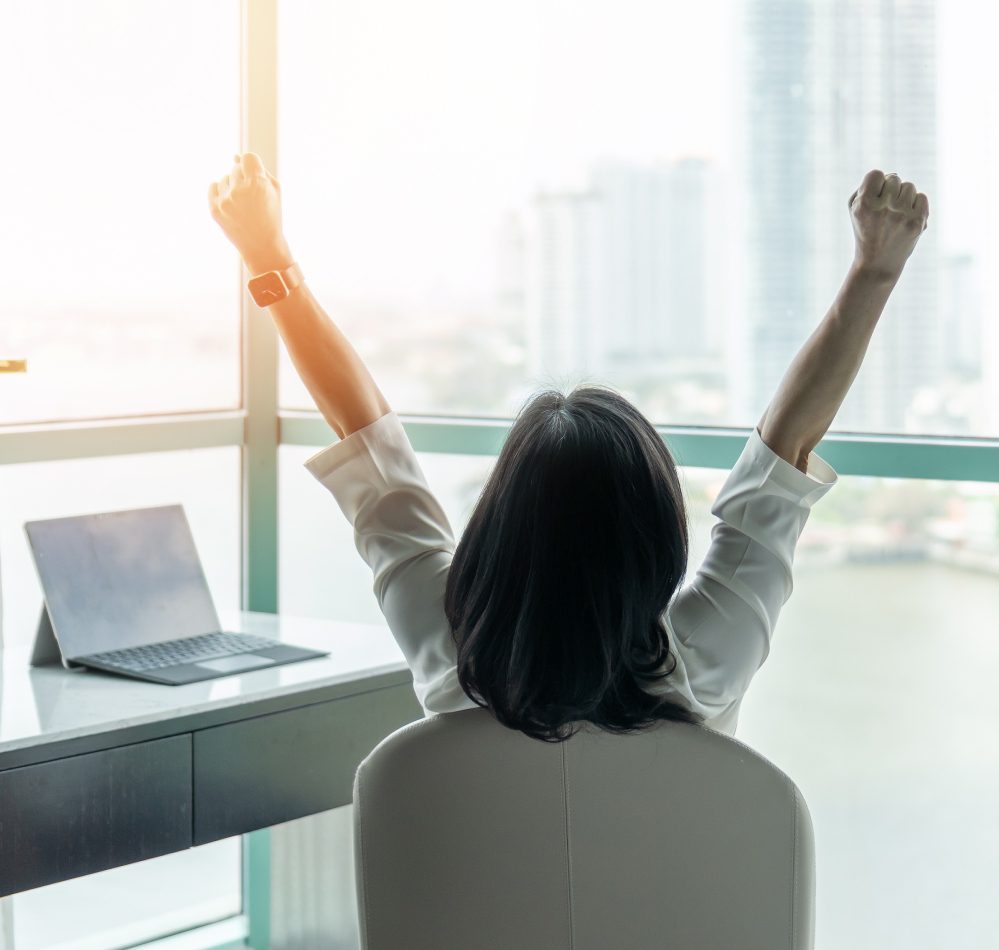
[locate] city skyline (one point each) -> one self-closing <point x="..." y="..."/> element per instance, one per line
<point x="396" y="215"/>
<point x="635" y="264"/>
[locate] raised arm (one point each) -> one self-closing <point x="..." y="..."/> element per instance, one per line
<point x="888" y="218"/>
<point x="246" y="203"/>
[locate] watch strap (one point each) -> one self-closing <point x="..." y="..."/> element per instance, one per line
<point x="292" y="276"/>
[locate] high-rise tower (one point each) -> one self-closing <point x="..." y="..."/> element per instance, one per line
<point x="834" y="90"/>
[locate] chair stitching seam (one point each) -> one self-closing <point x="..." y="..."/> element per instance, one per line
<point x="364" y="866"/>
<point x="794" y="865"/>
<point x="568" y="854"/>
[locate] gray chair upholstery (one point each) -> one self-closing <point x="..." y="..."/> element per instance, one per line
<point x="472" y="836"/>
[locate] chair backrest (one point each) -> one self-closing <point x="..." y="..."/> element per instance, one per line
<point x="469" y="835"/>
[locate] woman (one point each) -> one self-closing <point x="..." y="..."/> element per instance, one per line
<point x="562" y="603"/>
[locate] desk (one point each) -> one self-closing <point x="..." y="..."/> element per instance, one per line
<point x="97" y="771"/>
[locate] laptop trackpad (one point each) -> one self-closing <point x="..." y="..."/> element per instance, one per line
<point x="232" y="664"/>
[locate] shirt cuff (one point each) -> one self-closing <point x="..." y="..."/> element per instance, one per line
<point x="386" y="429"/>
<point x="806" y="487"/>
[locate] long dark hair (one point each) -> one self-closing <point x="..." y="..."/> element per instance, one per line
<point x="558" y="586"/>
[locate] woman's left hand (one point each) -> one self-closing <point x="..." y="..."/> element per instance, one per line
<point x="246" y="204"/>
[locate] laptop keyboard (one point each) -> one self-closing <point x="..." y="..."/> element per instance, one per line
<point x="206" y="646"/>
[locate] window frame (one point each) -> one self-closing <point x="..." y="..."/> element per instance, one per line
<point x="260" y="427"/>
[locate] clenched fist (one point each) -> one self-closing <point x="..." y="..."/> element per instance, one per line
<point x="888" y="217"/>
<point x="246" y="203"/>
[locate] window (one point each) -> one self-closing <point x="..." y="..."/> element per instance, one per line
<point x="123" y="297"/>
<point x="322" y="574"/>
<point x="176" y="891"/>
<point x="878" y="699"/>
<point x="137" y="902"/>
<point x="119" y="289"/>
<point x="494" y="197"/>
<point x="205" y="482"/>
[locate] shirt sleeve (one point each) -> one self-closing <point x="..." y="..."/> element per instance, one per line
<point x="722" y="622"/>
<point x="403" y="534"/>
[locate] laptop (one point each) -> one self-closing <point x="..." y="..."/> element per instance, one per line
<point x="125" y="593"/>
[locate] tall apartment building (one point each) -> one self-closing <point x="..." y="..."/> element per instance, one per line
<point x="832" y="91"/>
<point x="626" y="278"/>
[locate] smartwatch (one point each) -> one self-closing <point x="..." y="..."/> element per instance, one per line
<point x="274" y="285"/>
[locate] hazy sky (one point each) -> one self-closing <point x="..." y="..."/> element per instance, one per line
<point x="434" y="120"/>
<point x="116" y="116"/>
<point x="423" y="122"/>
<point x="409" y="129"/>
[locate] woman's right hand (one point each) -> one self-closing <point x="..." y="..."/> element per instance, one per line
<point x="888" y="217"/>
<point x="246" y="204"/>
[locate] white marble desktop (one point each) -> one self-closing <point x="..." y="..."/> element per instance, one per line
<point x="49" y="704"/>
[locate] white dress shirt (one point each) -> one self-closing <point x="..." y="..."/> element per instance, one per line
<point x="720" y="624"/>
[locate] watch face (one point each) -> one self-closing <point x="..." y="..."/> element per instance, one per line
<point x="267" y="289"/>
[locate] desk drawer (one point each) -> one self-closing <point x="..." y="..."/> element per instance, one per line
<point x="88" y="813"/>
<point x="271" y="769"/>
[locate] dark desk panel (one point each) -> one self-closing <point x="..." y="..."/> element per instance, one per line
<point x="92" y="812"/>
<point x="272" y="769"/>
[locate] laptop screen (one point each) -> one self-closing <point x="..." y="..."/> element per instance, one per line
<point x="121" y="579"/>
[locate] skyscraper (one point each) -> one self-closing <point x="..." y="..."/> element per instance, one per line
<point x="834" y="90"/>
<point x="626" y="278"/>
<point x="565" y="324"/>
<point x="778" y="193"/>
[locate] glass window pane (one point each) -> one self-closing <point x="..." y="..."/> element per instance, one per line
<point x="321" y="573"/>
<point x="877" y="698"/>
<point x="205" y="481"/>
<point x="119" y="289"/>
<point x="127" y="905"/>
<point x="493" y="197"/>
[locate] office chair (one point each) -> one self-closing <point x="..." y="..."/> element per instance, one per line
<point x="469" y="835"/>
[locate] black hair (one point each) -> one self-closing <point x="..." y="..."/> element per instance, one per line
<point x="558" y="588"/>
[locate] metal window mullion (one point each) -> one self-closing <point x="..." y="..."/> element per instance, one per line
<point x="99" y="438"/>
<point x="258" y="110"/>
<point x="849" y="454"/>
<point x="259" y="349"/>
<point x="256" y="865"/>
